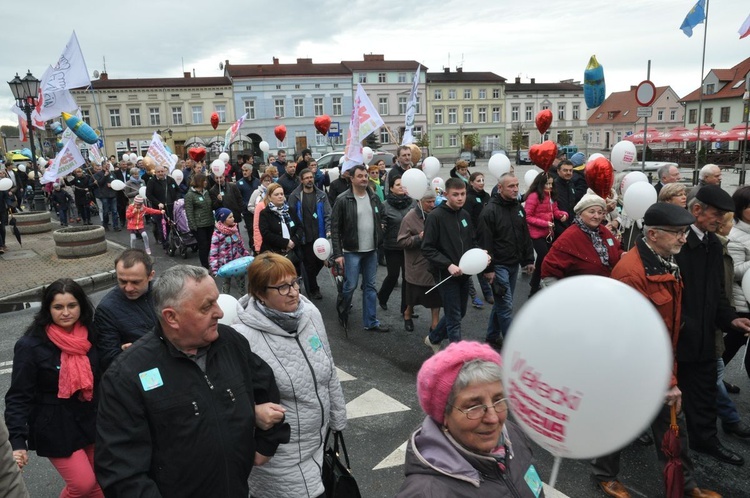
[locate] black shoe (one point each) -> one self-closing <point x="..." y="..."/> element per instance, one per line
<point x="316" y="294"/>
<point x="721" y="453"/>
<point x="645" y="439"/>
<point x="383" y="305"/>
<point x="496" y="344"/>
<point x="414" y="316"/>
<point x="378" y="328"/>
<point x="118" y="229"/>
<point x="739" y="429"/>
<point x="409" y="325"/>
<point x="106" y="228"/>
<point x="731" y="388"/>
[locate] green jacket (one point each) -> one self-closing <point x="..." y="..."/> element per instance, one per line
<point x="198" y="209"/>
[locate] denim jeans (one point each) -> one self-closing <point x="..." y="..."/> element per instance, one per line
<point x="365" y="263"/>
<point x="62" y="215"/>
<point x="502" y="311"/>
<point x="725" y="407"/>
<point x="454" y="293"/>
<point x="109" y="206"/>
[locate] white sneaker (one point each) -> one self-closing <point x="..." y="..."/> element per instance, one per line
<point x="435" y="347"/>
<point x="148" y="251"/>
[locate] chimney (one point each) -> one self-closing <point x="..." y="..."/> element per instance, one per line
<point x="459" y="70"/>
<point x="186" y="74"/>
<point x="633" y="87"/>
<point x="518" y="80"/>
<point x="275" y="61"/>
<point x="103" y="76"/>
<point x="446" y="70"/>
<point x="374" y="57"/>
<point x="533" y="80"/>
<point x="304" y="61"/>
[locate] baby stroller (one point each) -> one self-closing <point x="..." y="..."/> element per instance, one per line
<point x="180" y="238"/>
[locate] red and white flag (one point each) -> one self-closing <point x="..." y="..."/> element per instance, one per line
<point x="364" y="121"/>
<point x="159" y="154"/>
<point x="23" y="129"/>
<point x="745" y="28"/>
<point x="67" y="161"/>
<point x="232" y="132"/>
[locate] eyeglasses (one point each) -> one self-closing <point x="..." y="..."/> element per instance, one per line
<point x="678" y="233"/>
<point x="477" y="412"/>
<point x="285" y="289"/>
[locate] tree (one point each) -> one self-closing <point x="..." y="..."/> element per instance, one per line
<point x="471" y="141"/>
<point x="424" y="142"/>
<point x="564" y="138"/>
<point x="372" y="141"/>
<point x="9" y="131"/>
<point x="517" y="139"/>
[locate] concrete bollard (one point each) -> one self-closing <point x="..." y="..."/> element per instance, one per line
<point x="79" y="242"/>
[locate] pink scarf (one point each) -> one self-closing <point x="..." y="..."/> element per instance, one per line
<point x="75" y="367"/>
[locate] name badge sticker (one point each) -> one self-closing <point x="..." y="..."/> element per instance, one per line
<point x="463" y="222"/>
<point x="376" y="209"/>
<point x="315" y="215"/>
<point x="151" y="379"/>
<point x="533" y="480"/>
<point x="315" y="343"/>
<point x="291" y="224"/>
<point x="610" y="242"/>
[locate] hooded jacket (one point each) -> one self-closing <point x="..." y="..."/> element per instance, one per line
<point x="394" y="210"/>
<point x="448" y="234"/>
<point x="310" y="392"/>
<point x="504" y="233"/>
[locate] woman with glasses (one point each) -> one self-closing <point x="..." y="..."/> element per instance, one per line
<point x="674" y="193"/>
<point x="586" y="247"/>
<point x="286" y="330"/>
<point x="466" y="445"/>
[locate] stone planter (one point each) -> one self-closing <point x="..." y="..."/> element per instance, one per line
<point x="33" y="222"/>
<point x="79" y="242"/>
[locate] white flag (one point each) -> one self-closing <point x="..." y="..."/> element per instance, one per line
<point x="232" y="132"/>
<point x="70" y="70"/>
<point x="364" y="121"/>
<point x="52" y="103"/>
<point x="67" y="161"/>
<point x="411" y="110"/>
<point x="159" y="154"/>
<point x="96" y="154"/>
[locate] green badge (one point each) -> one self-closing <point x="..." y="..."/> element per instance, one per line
<point x="463" y="222"/>
<point x="315" y="343"/>
<point x="533" y="480"/>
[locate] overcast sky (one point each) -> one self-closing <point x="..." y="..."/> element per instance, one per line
<point x="549" y="40"/>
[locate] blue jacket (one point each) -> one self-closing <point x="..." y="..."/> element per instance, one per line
<point x="322" y="209"/>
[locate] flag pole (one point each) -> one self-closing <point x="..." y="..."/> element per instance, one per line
<point x="700" y="97"/>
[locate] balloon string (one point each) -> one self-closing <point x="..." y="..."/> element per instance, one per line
<point x="438" y="284"/>
<point x="555" y="471"/>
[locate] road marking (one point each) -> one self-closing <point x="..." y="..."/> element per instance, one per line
<point x="373" y="402"/>
<point x="394" y="459"/>
<point x="6" y="363"/>
<point x="6" y="371"/>
<point x="343" y="376"/>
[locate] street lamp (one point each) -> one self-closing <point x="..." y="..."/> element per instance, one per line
<point x="26" y="92"/>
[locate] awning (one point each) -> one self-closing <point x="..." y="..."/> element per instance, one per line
<point x="213" y="140"/>
<point x="194" y="141"/>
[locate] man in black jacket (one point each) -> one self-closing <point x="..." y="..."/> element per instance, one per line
<point x="82" y="193"/>
<point x="504" y="234"/>
<point x="188" y="409"/>
<point x="288" y="180"/>
<point x="567" y="193"/>
<point x="161" y="192"/>
<point x="226" y="194"/>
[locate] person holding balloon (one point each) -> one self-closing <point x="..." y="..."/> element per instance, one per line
<point x="476" y="199"/>
<point x="135" y="215"/>
<point x="226" y="246"/>
<point x="108" y="196"/>
<point x="161" y="192"/>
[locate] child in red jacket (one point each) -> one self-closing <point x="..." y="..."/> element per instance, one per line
<point x="135" y="216"/>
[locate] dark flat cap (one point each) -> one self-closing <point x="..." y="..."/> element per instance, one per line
<point x="715" y="196"/>
<point x="664" y="214"/>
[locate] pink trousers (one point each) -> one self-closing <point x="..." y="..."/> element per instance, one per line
<point x="77" y="471"/>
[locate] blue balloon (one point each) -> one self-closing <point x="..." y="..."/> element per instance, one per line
<point x="168" y="149"/>
<point x="26" y="153"/>
<point x="235" y="268"/>
<point x="594" y="88"/>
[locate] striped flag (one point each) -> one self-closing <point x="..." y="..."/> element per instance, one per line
<point x="411" y="109"/>
<point x="745" y="28"/>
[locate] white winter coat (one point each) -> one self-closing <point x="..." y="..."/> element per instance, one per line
<point x="310" y="392"/>
<point x="739" y="249"/>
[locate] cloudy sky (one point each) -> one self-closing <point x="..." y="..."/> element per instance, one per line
<point x="549" y="40"/>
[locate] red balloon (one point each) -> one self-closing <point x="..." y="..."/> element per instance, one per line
<point x="215" y="119"/>
<point x="543" y="120"/>
<point x="280" y="132"/>
<point x="543" y="155"/>
<point x="197" y="153"/>
<point x="323" y="124"/>
<point x="600" y="176"/>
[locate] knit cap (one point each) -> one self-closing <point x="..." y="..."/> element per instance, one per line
<point x="588" y="200"/>
<point x="222" y="214"/>
<point x="577" y="159"/>
<point x="138" y="199"/>
<point x="438" y="374"/>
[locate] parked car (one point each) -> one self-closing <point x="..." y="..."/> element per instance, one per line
<point x="650" y="165"/>
<point x="523" y="157"/>
<point x="499" y="151"/>
<point x="469" y="157"/>
<point x="331" y="160"/>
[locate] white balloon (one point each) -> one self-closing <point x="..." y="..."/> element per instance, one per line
<point x="431" y="166"/>
<point x="415" y="182"/>
<point x="177" y="176"/>
<point x="341" y="160"/>
<point x="217" y="167"/>
<point x="22" y="167"/>
<point x="112" y="167"/>
<point x="42" y="162"/>
<point x="631" y="178"/>
<point x="367" y="154"/>
<point x="6" y="184"/>
<point x="139" y="158"/>
<point x="142" y="192"/>
<point x="322" y="249"/>
<point x="594" y="156"/>
<point x="264" y="146"/>
<point x="473" y="261"/>
<point x="228" y="305"/>
<point x="560" y="375"/>
<point x="224" y="157"/>
<point x="623" y="155"/>
<point x="499" y="165"/>
<point x="125" y="157"/>
<point x="639" y="197"/>
<point x="133" y="157"/>
<point x="745" y="284"/>
<point x="175" y="158"/>
<point x="333" y="173"/>
<point x="117" y="185"/>
<point x="438" y="183"/>
<point x="529" y="176"/>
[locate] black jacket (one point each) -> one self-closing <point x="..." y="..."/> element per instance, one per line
<point x="269" y="225"/>
<point x="191" y="433"/>
<point x="448" y="234"/>
<point x="231" y="199"/>
<point x="103" y="179"/>
<point x="344" y="229"/>
<point x="288" y="183"/>
<point x="336" y="188"/>
<point x="475" y="202"/>
<point x="567" y="198"/>
<point x="504" y="234"/>
<point x="60" y="199"/>
<point x="52" y="426"/>
<point x="394" y="210"/>
<point x="162" y="192"/>
<point x="81" y="187"/>
<point x="120" y="320"/>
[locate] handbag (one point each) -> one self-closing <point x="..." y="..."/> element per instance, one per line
<point x="337" y="475"/>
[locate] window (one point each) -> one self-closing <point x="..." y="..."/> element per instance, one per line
<point x="452" y="115"/>
<point x="320" y="140"/>
<point x="250" y="109"/>
<point x="402" y="105"/>
<point x="660" y="115"/>
<point x="482" y="94"/>
<point x="318" y="109"/>
<point x="86" y="116"/>
<point x="496" y="114"/>
<point x="402" y="77"/>
<point x="384" y="136"/>
<point x="673" y="115"/>
<point x="452" y="140"/>
<point x="452" y="94"/>
<point x="467" y="93"/>
<point x="529" y="113"/>
<point x="114" y="117"/>
<point x="418" y="109"/>
<point x="724" y="116"/>
<point x="383" y="106"/>
<point x="561" y="111"/>
<point x="693" y="116"/>
<point x="418" y="132"/>
<point x="135" y="117"/>
<point x="278" y="87"/>
<point x="317" y="85"/>
<point x="708" y="115"/>
<point x="515" y="112"/>
<point x="177" y="115"/>
<point x="381" y="77"/>
<point x="296" y="87"/>
<point x="438" y="140"/>
<point x="278" y="108"/>
<point x="482" y="114"/>
<point x="154" y="116"/>
<point x="335" y="85"/>
<point x="299" y="107"/>
<point x="710" y="88"/>
<point x="336" y="106"/>
<point x="197" y="114"/>
<point x="576" y="111"/>
<point x="438" y="116"/>
<point x="438" y="95"/>
<point x="495" y="93"/>
<point x="468" y="114"/>
<point x="221" y="110"/>
<point x="363" y="77"/>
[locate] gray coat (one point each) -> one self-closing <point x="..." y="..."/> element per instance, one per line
<point x="11" y="482"/>
<point x="739" y="249"/>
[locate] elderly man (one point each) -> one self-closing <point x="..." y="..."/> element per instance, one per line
<point x="183" y="411"/>
<point x="162" y="192"/>
<point x="710" y="174"/>
<point x="668" y="173"/>
<point x="650" y="268"/>
<point x="127" y="312"/>
<point x="705" y="307"/>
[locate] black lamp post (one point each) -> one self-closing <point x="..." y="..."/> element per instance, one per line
<point x="26" y="92"/>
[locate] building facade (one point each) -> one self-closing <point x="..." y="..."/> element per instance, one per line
<point x="464" y="108"/>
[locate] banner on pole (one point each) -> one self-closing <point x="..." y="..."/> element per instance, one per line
<point x="67" y="161"/>
<point x="159" y="154"/>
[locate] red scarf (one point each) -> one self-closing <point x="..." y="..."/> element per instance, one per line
<point x="75" y="367"/>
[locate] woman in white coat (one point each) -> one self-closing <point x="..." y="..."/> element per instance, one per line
<point x="286" y="330"/>
<point x="739" y="249"/>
